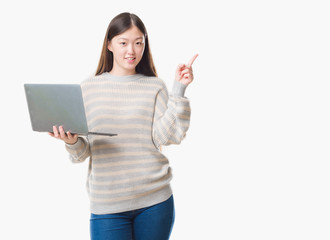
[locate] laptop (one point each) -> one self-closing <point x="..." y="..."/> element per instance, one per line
<point x="60" y="105"/>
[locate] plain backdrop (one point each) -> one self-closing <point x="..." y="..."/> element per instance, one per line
<point x="255" y="162"/>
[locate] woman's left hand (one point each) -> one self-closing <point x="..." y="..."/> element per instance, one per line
<point x="184" y="72"/>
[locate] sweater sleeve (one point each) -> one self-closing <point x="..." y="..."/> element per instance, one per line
<point x="172" y="116"/>
<point x="78" y="151"/>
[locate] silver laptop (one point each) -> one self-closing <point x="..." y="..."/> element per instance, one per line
<point x="57" y="104"/>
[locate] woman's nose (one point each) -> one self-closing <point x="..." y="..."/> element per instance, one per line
<point x="130" y="49"/>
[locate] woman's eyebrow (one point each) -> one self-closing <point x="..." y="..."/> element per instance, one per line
<point x="128" y="39"/>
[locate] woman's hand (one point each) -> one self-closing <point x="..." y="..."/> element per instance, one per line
<point x="184" y="72"/>
<point x="66" y="137"/>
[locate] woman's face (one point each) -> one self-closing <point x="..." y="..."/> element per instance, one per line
<point x="127" y="49"/>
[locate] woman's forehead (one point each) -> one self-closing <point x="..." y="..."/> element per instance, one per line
<point x="131" y="33"/>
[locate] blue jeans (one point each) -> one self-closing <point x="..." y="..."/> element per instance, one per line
<point x="154" y="222"/>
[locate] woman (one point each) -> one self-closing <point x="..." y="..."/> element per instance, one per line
<point x="129" y="178"/>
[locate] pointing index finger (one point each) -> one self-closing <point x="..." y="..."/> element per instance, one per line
<point x="192" y="60"/>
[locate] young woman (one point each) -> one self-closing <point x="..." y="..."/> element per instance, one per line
<point x="129" y="178"/>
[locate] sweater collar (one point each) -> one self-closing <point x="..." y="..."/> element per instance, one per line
<point x="127" y="78"/>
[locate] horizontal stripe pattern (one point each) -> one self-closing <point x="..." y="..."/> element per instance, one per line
<point x="171" y="125"/>
<point x="128" y="171"/>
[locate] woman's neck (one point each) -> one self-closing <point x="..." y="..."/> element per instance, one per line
<point x="122" y="73"/>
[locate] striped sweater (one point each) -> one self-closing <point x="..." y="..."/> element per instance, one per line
<point x="128" y="172"/>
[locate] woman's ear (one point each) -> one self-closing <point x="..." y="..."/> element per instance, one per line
<point x="109" y="46"/>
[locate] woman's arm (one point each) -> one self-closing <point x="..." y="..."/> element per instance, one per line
<point x="78" y="151"/>
<point x="78" y="147"/>
<point x="172" y="113"/>
<point x="172" y="116"/>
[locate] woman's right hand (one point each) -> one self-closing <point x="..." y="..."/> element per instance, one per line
<point x="60" y="134"/>
<point x="184" y="72"/>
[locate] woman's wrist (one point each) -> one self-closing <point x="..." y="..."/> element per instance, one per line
<point x="72" y="142"/>
<point x="178" y="89"/>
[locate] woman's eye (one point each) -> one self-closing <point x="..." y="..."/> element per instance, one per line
<point x="139" y="43"/>
<point x="123" y="43"/>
